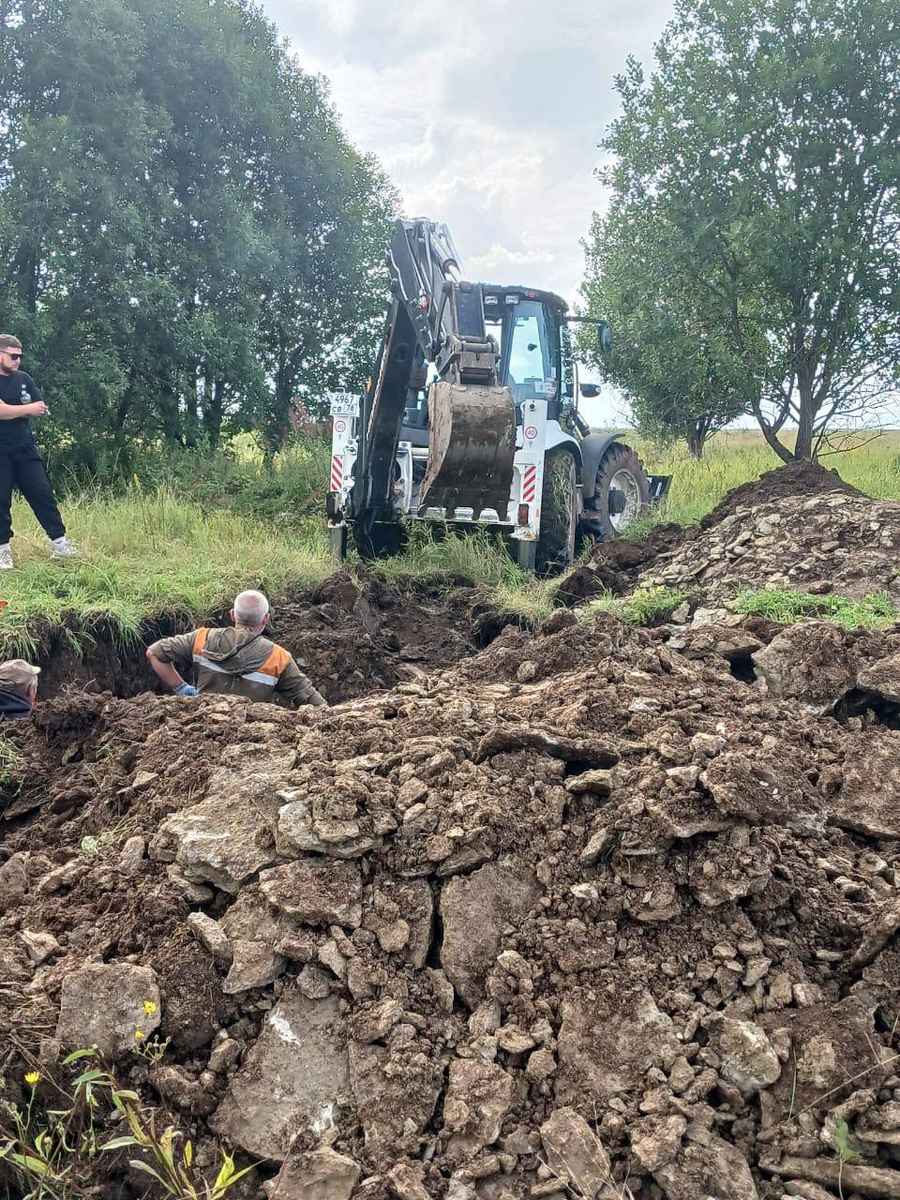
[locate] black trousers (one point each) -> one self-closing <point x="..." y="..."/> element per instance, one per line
<point x="23" y="468"/>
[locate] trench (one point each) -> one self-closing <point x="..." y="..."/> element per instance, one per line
<point x="353" y="635"/>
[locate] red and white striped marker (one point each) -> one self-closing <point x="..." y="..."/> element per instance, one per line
<point x="528" y="484"/>
<point x="337" y="473"/>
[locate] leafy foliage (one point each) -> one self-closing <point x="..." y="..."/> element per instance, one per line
<point x="189" y="242"/>
<point x="755" y="217"/>
<point x="675" y="365"/>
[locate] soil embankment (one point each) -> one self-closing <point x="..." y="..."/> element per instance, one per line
<point x="799" y="527"/>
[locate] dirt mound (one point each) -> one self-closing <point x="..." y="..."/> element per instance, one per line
<point x="583" y="916"/>
<point x="793" y="480"/>
<point x="834" y="541"/>
<point x="616" y="566"/>
<point x="800" y="509"/>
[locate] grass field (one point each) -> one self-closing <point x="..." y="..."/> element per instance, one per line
<point x="188" y="544"/>
<point x="872" y="465"/>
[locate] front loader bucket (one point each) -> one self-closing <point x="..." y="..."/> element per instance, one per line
<point x="470" y="449"/>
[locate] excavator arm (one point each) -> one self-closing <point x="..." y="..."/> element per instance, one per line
<point x="433" y="318"/>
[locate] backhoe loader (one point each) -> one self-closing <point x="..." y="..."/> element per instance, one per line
<point x="471" y="420"/>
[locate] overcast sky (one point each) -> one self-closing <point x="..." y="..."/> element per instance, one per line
<point x="486" y="115"/>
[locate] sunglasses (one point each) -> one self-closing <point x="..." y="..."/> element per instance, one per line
<point x="12" y="354"/>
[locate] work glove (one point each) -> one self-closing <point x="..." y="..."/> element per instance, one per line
<point x="186" y="689"/>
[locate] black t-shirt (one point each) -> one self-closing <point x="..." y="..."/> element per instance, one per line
<point x="17" y="388"/>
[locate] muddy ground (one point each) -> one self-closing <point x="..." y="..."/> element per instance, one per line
<point x="596" y="912"/>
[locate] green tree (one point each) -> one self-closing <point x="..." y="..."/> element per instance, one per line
<point x="326" y="279"/>
<point x="672" y="360"/>
<point x="171" y="180"/>
<point x="767" y="139"/>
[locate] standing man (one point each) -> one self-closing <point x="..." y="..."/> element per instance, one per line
<point x="21" y="465"/>
<point x="238" y="662"/>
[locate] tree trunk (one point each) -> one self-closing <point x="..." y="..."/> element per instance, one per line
<point x="213" y="411"/>
<point x="803" y="447"/>
<point x="191" y="404"/>
<point x="279" y="423"/>
<point x="124" y="407"/>
<point x="697" y="433"/>
<point x="167" y="403"/>
<point x="27" y="265"/>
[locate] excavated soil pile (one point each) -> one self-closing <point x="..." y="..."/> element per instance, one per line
<point x="800" y="527"/>
<point x="846" y="544"/>
<point x="583" y="917"/>
<point x="353" y="635"/>
<point x="616" y="566"/>
<point x="803" y="478"/>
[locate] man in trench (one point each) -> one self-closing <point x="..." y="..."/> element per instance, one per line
<point x="236" y="662"/>
<point x="18" y="689"/>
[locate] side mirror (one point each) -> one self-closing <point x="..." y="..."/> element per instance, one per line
<point x="589" y="390"/>
<point x="604" y="337"/>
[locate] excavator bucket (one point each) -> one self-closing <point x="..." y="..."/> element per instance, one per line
<point x="471" y="448"/>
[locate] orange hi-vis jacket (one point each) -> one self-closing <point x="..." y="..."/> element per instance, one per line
<point x="238" y="663"/>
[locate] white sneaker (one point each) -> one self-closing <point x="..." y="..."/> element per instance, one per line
<point x="65" y="549"/>
<point x="6" y="561"/>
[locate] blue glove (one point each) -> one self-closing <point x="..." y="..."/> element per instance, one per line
<point x="186" y="689"/>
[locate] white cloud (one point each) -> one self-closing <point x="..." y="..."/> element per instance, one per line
<point x="487" y="118"/>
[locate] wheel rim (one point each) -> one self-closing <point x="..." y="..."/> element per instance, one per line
<point x="623" y="481"/>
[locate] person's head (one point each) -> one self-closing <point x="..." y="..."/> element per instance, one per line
<point x="251" y="611"/>
<point x="19" y="677"/>
<point x="10" y="353"/>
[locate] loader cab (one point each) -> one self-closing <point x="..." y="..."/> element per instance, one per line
<point x="536" y="353"/>
<point x="536" y="360"/>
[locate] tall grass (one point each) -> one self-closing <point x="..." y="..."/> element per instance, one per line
<point x="146" y="554"/>
<point x="730" y="459"/>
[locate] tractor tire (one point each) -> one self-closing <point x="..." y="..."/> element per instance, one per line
<point x="559" y="514"/>
<point x="621" y="494"/>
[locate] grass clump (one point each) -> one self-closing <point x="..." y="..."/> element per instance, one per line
<point x="875" y="611"/>
<point x="11" y="759"/>
<point x="645" y="606"/>
<point x="434" y="554"/>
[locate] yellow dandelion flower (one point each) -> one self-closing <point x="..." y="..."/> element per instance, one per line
<point x="32" y="1077"/>
<point x="139" y="1035"/>
<point x="149" y="1008"/>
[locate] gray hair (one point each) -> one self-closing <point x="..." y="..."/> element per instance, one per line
<point x="250" y="608"/>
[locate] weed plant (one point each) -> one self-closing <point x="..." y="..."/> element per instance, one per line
<point x="872" y="612"/>
<point x="55" y="1153"/>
